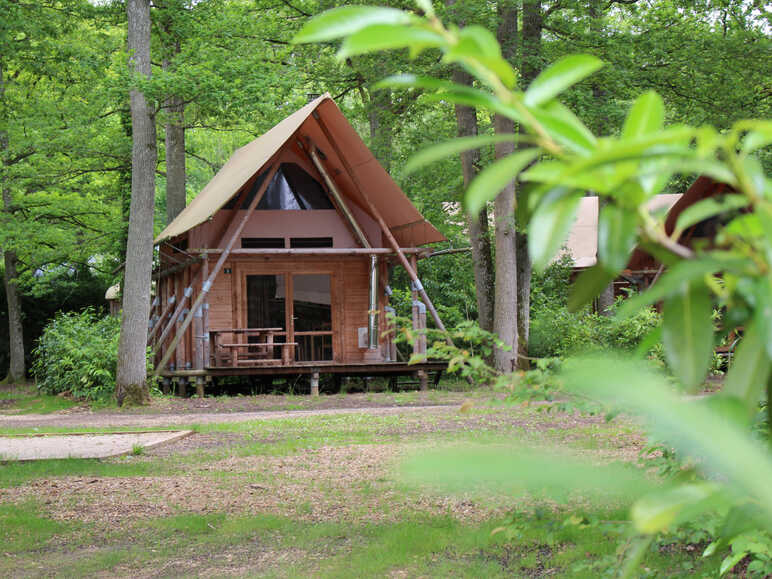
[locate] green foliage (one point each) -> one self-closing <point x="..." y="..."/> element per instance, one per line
<point x="558" y="332"/>
<point x="77" y="353"/>
<point x="628" y="170"/>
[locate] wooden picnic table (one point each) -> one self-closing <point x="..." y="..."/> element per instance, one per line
<point x="239" y="351"/>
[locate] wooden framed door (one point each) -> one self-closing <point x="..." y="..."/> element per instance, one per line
<point x="312" y="316"/>
<point x="305" y="297"/>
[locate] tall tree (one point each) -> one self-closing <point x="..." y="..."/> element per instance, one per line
<point x="16" y="369"/>
<point x="600" y="126"/>
<point x="170" y="12"/>
<point x="530" y="65"/>
<point x="131" y="375"/>
<point x="479" y="229"/>
<point x="505" y="320"/>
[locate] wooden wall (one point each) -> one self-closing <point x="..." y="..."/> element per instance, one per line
<point x="350" y="295"/>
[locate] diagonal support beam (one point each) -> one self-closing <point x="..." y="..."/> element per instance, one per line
<point x="164" y="313"/>
<point x="170" y="325"/>
<point x="217" y="267"/>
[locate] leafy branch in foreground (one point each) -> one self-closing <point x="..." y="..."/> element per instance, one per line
<point x="627" y="170"/>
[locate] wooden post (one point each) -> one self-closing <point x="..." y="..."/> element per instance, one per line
<point x="315" y="384"/>
<point x="205" y="354"/>
<point x="205" y="287"/>
<point x="383" y="225"/>
<point x="419" y="330"/>
<point x="200" y="386"/>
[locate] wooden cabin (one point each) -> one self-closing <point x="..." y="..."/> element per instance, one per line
<point x="643" y="269"/>
<point x="280" y="265"/>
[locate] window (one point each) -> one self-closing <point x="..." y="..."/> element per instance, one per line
<point x="306" y="242"/>
<point x="290" y="189"/>
<point x="262" y="242"/>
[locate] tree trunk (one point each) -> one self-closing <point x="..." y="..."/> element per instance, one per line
<point x="600" y="127"/>
<point x="479" y="237"/>
<point x="505" y="321"/>
<point x="131" y="377"/>
<point x="381" y="123"/>
<point x="16" y="369"/>
<point x="529" y="69"/>
<point x="175" y="150"/>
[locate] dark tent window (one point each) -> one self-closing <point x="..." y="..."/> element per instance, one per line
<point x="291" y="188"/>
<point x="294" y="189"/>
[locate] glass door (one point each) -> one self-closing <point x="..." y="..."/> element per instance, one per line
<point x="266" y="315"/>
<point x="312" y="316"/>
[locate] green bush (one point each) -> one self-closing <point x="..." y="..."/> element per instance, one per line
<point x="560" y="333"/>
<point x="78" y="353"/>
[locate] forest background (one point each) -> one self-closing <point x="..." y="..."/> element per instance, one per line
<point x="223" y="72"/>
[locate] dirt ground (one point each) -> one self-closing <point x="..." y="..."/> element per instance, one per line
<point x="338" y="463"/>
<point x="136" y="420"/>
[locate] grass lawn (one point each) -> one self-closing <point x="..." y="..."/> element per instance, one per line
<point x="320" y="496"/>
<point x="25" y="399"/>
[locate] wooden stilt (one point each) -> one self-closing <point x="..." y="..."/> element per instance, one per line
<point x="315" y="384"/>
<point x="205" y="353"/>
<point x="200" y="386"/>
<point x="182" y="387"/>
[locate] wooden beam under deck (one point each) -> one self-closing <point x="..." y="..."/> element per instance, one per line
<point x="350" y="369"/>
<point x="337" y="251"/>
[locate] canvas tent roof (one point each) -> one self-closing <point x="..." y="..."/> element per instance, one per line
<point x="406" y="223"/>
<point x="582" y="243"/>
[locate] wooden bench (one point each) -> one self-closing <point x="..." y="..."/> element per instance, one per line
<point x="258" y="358"/>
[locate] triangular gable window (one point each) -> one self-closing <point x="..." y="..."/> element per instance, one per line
<point x="290" y="189"/>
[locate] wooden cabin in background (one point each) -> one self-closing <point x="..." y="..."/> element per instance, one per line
<point x="643" y="269"/>
<point x="280" y="265"/>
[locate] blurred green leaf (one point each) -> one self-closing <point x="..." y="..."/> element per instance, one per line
<point x="709" y="207"/>
<point x="758" y="138"/>
<point x="565" y="127"/>
<point x="450" y="92"/>
<point x="388" y="36"/>
<point x="495" y="177"/>
<point x="747" y="377"/>
<point x="687" y="333"/>
<point x="683" y="272"/>
<point x="763" y="291"/>
<point x="551" y="223"/>
<point x="454" y="147"/>
<point x="617" y="232"/>
<point x="730" y="561"/>
<point x="517" y="471"/>
<point x="559" y="76"/>
<point x="694" y="430"/>
<point x="347" y="20"/>
<point x="658" y="511"/>
<point x="646" y="116"/>
<point x="588" y="286"/>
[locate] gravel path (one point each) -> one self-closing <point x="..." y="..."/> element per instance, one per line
<point x="81" y="445"/>
<point x="102" y="420"/>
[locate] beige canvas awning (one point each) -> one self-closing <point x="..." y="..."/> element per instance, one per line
<point x="582" y="243"/>
<point x="403" y="219"/>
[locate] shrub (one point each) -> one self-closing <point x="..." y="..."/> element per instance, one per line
<point x="558" y="332"/>
<point x="78" y="353"/>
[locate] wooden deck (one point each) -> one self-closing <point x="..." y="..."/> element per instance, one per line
<point x="299" y="368"/>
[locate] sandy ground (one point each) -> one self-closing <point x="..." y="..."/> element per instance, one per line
<point x="81" y="445"/>
<point x="105" y="420"/>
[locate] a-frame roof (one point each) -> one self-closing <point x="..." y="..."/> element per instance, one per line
<point x="403" y="219"/>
